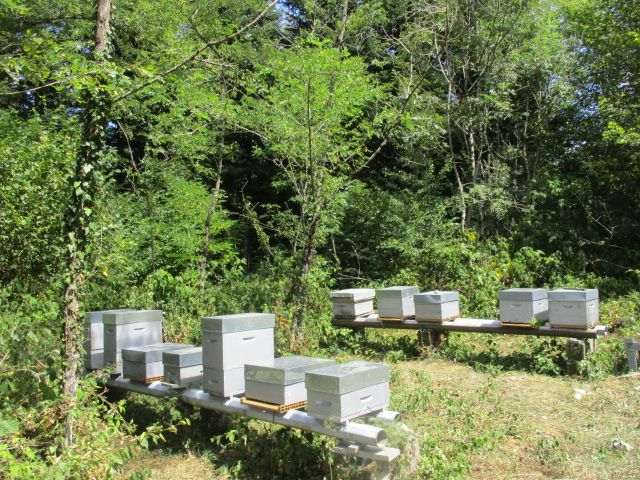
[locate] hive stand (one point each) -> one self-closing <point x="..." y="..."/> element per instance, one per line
<point x="365" y="442"/>
<point x="632" y="348"/>
<point x="580" y="341"/>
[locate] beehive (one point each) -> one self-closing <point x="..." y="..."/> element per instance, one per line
<point x="342" y="392"/>
<point x="437" y="306"/>
<point x="281" y="381"/>
<point x="129" y="328"/>
<point x="521" y="305"/>
<point x="183" y="367"/>
<point x="145" y="363"/>
<point x="352" y="302"/>
<point x="231" y="341"/>
<point x="94" y="338"/>
<point x="574" y="307"/>
<point x="396" y="302"/>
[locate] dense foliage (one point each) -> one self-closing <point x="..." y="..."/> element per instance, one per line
<point x="217" y="157"/>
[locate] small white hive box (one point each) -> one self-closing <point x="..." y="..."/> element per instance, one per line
<point x="574" y="307"/>
<point x="342" y="392"/>
<point x="352" y="302"/>
<point x="129" y="328"/>
<point x="281" y="381"/>
<point x="144" y="364"/>
<point x="94" y="338"/>
<point x="183" y="367"/>
<point x="228" y="343"/>
<point x="437" y="306"/>
<point x="396" y="302"/>
<point x="521" y="305"/>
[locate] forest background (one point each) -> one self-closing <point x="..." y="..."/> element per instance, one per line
<point x="210" y="157"/>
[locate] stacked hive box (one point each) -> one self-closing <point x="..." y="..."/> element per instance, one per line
<point x="129" y="328"/>
<point x="342" y="392"/>
<point x="573" y="308"/>
<point x="94" y="338"/>
<point x="231" y="341"/>
<point x="521" y="305"/>
<point x="144" y="364"/>
<point x="281" y="381"/>
<point x="396" y="303"/>
<point x="353" y="302"/>
<point x="437" y="306"/>
<point x="183" y="367"/>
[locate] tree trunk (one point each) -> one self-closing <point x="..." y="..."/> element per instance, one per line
<point x="207" y="226"/>
<point x="301" y="289"/>
<point x="79" y="217"/>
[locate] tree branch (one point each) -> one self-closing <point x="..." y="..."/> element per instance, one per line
<point x="207" y="45"/>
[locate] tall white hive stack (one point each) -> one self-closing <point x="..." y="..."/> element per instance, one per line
<point x="228" y="343"/>
<point x="396" y="303"/>
<point x="437" y="306"/>
<point x="94" y="338"/>
<point x="342" y="392"/>
<point x="352" y="302"/>
<point x="521" y="305"/>
<point x="144" y="364"/>
<point x="129" y="328"/>
<point x="574" y="307"/>
<point x="281" y="381"/>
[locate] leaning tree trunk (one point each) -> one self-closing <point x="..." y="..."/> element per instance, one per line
<point x="213" y="206"/>
<point x="79" y="217"/>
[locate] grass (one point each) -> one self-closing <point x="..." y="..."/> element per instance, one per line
<point x="480" y="425"/>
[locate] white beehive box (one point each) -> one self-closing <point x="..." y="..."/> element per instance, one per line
<point x="521" y="305"/>
<point x="437" y="306"/>
<point x="183" y="367"/>
<point x="143" y="364"/>
<point x="342" y="392"/>
<point x="396" y="302"/>
<point x="281" y="381"/>
<point x="352" y="302"/>
<point x="94" y="338"/>
<point x="574" y="307"/>
<point x="131" y="328"/>
<point x="231" y="341"/>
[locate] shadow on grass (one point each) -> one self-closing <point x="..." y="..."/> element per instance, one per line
<point x="237" y="446"/>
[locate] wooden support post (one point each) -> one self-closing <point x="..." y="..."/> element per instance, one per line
<point x="431" y="338"/>
<point x="576" y="351"/>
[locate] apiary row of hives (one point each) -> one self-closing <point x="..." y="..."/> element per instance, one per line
<point x="562" y="308"/>
<point x="236" y="357"/>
